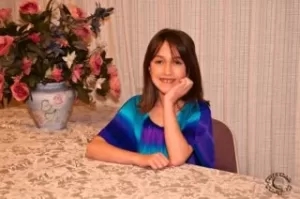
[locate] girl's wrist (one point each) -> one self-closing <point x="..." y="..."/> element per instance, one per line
<point x="168" y="102"/>
<point x="137" y="159"/>
<point x="169" y="109"/>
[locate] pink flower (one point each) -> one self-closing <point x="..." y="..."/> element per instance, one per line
<point x="83" y="32"/>
<point x="1" y="84"/>
<point x="5" y="14"/>
<point x="20" y="90"/>
<point x="77" y="71"/>
<point x="112" y="70"/>
<point x="77" y="13"/>
<point x="58" y="99"/>
<point x="35" y="37"/>
<point x="115" y="87"/>
<point x="26" y="65"/>
<point x="29" y="7"/>
<point x="96" y="63"/>
<point x="62" y="42"/>
<point x="115" y="94"/>
<point x="5" y="44"/>
<point x="56" y="74"/>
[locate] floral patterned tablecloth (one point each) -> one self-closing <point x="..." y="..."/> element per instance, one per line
<point x="35" y="163"/>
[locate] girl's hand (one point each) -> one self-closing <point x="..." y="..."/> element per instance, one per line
<point x="178" y="90"/>
<point x="155" y="161"/>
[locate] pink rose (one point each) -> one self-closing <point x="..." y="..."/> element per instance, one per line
<point x="62" y="42"/>
<point x="96" y="63"/>
<point x="5" y="14"/>
<point x="20" y="90"/>
<point x="5" y="44"/>
<point x="1" y="84"/>
<point x="26" y="65"/>
<point x="1" y="94"/>
<point x="77" y="13"/>
<point x="35" y="37"/>
<point x="83" y="32"/>
<point x="115" y="94"/>
<point x="77" y="71"/>
<point x="115" y="87"/>
<point x="56" y="74"/>
<point x="29" y="7"/>
<point x="58" y="99"/>
<point x="112" y="70"/>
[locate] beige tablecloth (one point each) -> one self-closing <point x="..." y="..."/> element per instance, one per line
<point x="41" y="164"/>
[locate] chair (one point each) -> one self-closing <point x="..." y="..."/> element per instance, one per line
<point x="225" y="157"/>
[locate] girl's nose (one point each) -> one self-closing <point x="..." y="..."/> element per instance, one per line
<point x="168" y="69"/>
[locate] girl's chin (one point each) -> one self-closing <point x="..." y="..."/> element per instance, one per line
<point x="164" y="90"/>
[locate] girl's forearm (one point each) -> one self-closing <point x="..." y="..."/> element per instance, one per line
<point x="178" y="148"/>
<point x="98" y="149"/>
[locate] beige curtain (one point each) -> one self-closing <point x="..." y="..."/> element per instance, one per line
<point x="249" y="52"/>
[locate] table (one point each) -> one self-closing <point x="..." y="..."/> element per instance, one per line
<point x="36" y="163"/>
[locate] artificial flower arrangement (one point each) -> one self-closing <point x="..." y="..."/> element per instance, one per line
<point x="54" y="45"/>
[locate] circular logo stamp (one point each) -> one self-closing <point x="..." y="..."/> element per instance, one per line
<point x="278" y="183"/>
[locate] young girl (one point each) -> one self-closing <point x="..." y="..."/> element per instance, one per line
<point x="170" y="123"/>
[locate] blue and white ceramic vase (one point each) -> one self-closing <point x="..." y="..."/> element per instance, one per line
<point x="50" y="105"/>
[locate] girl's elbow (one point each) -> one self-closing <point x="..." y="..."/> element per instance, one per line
<point x="176" y="163"/>
<point x="181" y="160"/>
<point x="92" y="147"/>
<point x="89" y="149"/>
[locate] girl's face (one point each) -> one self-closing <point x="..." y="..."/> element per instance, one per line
<point x="166" y="68"/>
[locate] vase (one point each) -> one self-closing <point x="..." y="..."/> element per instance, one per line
<point x="50" y="105"/>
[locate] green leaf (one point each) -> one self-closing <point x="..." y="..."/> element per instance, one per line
<point x="49" y="4"/>
<point x="67" y="73"/>
<point x="7" y="60"/>
<point x="103" y="54"/>
<point x="109" y="9"/>
<point x="23" y="28"/>
<point x="108" y="61"/>
<point x="80" y="45"/>
<point x="36" y="49"/>
<point x="10" y="29"/>
<point x="83" y="94"/>
<point x="105" y="85"/>
<point x="81" y="56"/>
<point x="100" y="92"/>
<point x="31" y="80"/>
<point x="7" y="95"/>
<point x="15" y="69"/>
<point x="38" y="67"/>
<point x="104" y="89"/>
<point x="42" y="26"/>
<point x="66" y="10"/>
<point x="26" y="17"/>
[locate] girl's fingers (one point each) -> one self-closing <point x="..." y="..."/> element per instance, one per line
<point x="156" y="164"/>
<point x="159" y="161"/>
<point x="163" y="159"/>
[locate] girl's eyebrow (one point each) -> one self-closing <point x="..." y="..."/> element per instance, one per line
<point x="175" y="57"/>
<point x="160" y="56"/>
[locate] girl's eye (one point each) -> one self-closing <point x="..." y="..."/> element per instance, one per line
<point x="158" y="61"/>
<point x="177" y="62"/>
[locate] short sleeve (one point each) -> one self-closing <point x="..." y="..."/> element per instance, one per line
<point x="198" y="133"/>
<point x="119" y="131"/>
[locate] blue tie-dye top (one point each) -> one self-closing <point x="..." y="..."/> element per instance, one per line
<point x="134" y="131"/>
